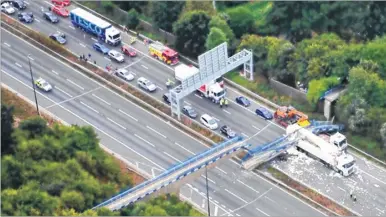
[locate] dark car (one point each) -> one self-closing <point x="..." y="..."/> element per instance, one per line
<point x="51" y="17"/>
<point x="166" y="98"/>
<point x="189" y="111"/>
<point x="227" y="131"/>
<point x="100" y="48"/>
<point x="243" y="101"/>
<point x="60" y="38"/>
<point x="264" y="113"/>
<point x="19" y="4"/>
<point x="26" y="17"/>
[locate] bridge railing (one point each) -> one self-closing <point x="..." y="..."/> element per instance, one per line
<point x="173" y="169"/>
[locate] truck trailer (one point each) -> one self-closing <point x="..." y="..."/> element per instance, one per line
<point x="96" y="26"/>
<point x="327" y="152"/>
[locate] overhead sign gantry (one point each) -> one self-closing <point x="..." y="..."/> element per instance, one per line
<point x="212" y="65"/>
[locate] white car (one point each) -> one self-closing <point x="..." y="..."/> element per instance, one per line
<point x="146" y="84"/>
<point x="7" y="8"/>
<point x="124" y="74"/>
<point x="43" y="84"/>
<point x="117" y="56"/>
<point x="209" y="121"/>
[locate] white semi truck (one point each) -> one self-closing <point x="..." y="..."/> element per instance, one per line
<point x="327" y="152"/>
<point x="212" y="90"/>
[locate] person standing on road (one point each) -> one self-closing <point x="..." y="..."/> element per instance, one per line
<point x="221" y="102"/>
<point x="226" y="102"/>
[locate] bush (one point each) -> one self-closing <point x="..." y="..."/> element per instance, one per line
<point x="132" y="19"/>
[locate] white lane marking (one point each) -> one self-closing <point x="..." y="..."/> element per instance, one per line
<point x="270" y="199"/>
<point x="238" y="214"/>
<point x="226" y="111"/>
<point x="93" y="39"/>
<point x="215" y="210"/>
<point x="101" y="99"/>
<point x="91" y="108"/>
<point x="209" y="180"/>
<point x="198" y="96"/>
<point x="341" y="189"/>
<point x="8" y="45"/>
<point x="373" y="177"/>
<point x="160" y="88"/>
<point x="117" y="124"/>
<point x="127" y="115"/>
<point x="255" y="127"/>
<point x="57" y="88"/>
<point x="72" y="98"/>
<point x="203" y="203"/>
<point x="108" y="59"/>
<point x="202" y="194"/>
<point x="382" y="211"/>
<point x="144" y="67"/>
<point x="156" y="131"/>
<point x="184" y="148"/>
<point x="223" y="205"/>
<point x="216" y="119"/>
<point x="221" y="170"/>
<point x="82" y="45"/>
<point x="215" y="201"/>
<point x="72" y="27"/>
<point x="187" y="103"/>
<point x="261" y="211"/>
<point x="149" y="143"/>
<point x="54" y="72"/>
<point x="247" y="186"/>
<point x="18" y="65"/>
<point x="173" y="158"/>
<point x="244" y="134"/>
<point x="75" y="84"/>
<point x="37" y="20"/>
<point x="238" y="197"/>
<point x="49" y="3"/>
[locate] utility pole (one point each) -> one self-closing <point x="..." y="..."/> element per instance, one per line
<point x="207" y="189"/>
<point x="33" y="86"/>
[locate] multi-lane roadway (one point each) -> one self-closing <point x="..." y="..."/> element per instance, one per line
<point x="138" y="135"/>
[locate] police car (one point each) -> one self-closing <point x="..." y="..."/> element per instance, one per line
<point x="43" y="84"/>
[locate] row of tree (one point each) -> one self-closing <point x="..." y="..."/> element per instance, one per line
<point x="63" y="171"/>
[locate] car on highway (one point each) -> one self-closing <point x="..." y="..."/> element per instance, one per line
<point x="189" y="111"/>
<point x="146" y="84"/>
<point x="100" y="48"/>
<point x="43" y="84"/>
<point x="241" y="100"/>
<point x="209" y="121"/>
<point x="128" y="51"/>
<point x="166" y="98"/>
<point x="51" y="17"/>
<point x="264" y="113"/>
<point x="61" y="2"/>
<point x="116" y="56"/>
<point x="19" y="4"/>
<point x="227" y="131"/>
<point x="7" y="8"/>
<point x="61" y="11"/>
<point x="124" y="74"/>
<point x="58" y="37"/>
<point x="26" y="17"/>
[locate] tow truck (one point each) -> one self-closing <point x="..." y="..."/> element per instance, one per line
<point x="163" y="53"/>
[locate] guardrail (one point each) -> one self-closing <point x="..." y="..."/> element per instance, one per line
<point x="173" y="169"/>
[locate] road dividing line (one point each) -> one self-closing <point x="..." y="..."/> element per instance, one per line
<point x="215" y="201"/>
<point x="57" y="88"/>
<point x="144" y="67"/>
<point x="203" y="203"/>
<point x="187" y="103"/>
<point x="18" y="65"/>
<point x="216" y="119"/>
<point x="37" y="20"/>
<point x="223" y="206"/>
<point x="238" y="197"/>
<point x="144" y="140"/>
<point x="184" y="148"/>
<point x="238" y="214"/>
<point x="215" y="210"/>
<point x="156" y="131"/>
<point x="117" y="124"/>
<point x="247" y="186"/>
<point x="172" y="157"/>
<point x="82" y="45"/>
<point x="127" y="115"/>
<point x="101" y="99"/>
<point x="75" y="84"/>
<point x="198" y="96"/>
<point x="54" y="72"/>
<point x="6" y="44"/>
<point x="30" y="58"/>
<point x="382" y="211"/>
<point x="91" y="108"/>
<point x="261" y="211"/>
<point x="209" y="180"/>
<point x="160" y="88"/>
<point x="72" y="27"/>
<point x="244" y="134"/>
<point x="256" y="127"/>
<point x="93" y="39"/>
<point x="270" y="199"/>
<point x="26" y="2"/>
<point x="108" y="59"/>
<point x="221" y="170"/>
<point x="226" y="111"/>
<point x="341" y="189"/>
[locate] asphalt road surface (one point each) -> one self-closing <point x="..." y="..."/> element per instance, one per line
<point x="139" y="136"/>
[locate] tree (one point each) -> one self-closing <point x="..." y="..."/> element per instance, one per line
<point x="191" y="31"/>
<point x="11" y="173"/>
<point x="382" y="131"/>
<point x="73" y="200"/>
<point x="205" y="6"/>
<point x="108" y="6"/>
<point x="128" y="5"/>
<point x="241" y="21"/>
<point x="6" y="129"/>
<point x="35" y="127"/>
<point x="215" y="37"/>
<point x="132" y="19"/>
<point x="221" y="23"/>
<point x="318" y="87"/>
<point x="165" y="13"/>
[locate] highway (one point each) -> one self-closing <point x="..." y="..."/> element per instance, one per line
<point x="242" y="120"/>
<point x="138" y="135"/>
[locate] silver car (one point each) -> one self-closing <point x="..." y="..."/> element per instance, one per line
<point x="146" y="84"/>
<point x="124" y="74"/>
<point x="117" y="56"/>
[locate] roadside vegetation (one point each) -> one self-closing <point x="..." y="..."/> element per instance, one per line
<point x="52" y="169"/>
<point x="319" y="45"/>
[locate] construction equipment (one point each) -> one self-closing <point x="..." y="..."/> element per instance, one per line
<point x="163" y="53"/>
<point x="289" y="115"/>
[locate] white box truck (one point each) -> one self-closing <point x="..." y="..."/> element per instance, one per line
<point x="327" y="152"/>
